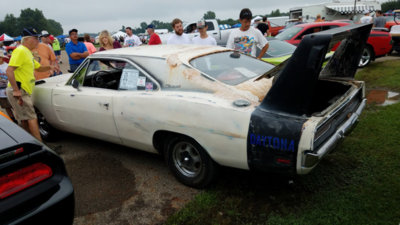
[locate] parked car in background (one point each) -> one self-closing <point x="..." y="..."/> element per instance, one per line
<point x="290" y="23"/>
<point x="378" y="44"/>
<point x="395" y="31"/>
<point x="34" y="185"/>
<point x="276" y="24"/>
<point x="204" y="106"/>
<point x="279" y="51"/>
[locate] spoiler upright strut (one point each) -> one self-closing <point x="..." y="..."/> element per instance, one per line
<point x="293" y="90"/>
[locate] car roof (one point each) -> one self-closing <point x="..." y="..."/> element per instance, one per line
<point x="317" y="24"/>
<point x="184" y="52"/>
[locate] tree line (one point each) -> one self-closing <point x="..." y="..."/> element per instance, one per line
<point x="390" y="5"/>
<point x="13" y="26"/>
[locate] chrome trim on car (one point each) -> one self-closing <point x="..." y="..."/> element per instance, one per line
<point x="311" y="159"/>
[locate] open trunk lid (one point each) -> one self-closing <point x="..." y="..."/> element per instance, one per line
<point x="294" y="89"/>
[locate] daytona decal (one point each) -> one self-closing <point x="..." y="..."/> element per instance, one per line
<point x="277" y="143"/>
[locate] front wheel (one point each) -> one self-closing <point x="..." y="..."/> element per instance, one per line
<point x="366" y="57"/>
<point x="190" y="163"/>
<point x="47" y="132"/>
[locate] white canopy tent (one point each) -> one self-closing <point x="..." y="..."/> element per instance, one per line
<point x="119" y="34"/>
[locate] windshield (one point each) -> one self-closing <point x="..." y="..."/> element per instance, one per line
<point x="288" y="33"/>
<point x="279" y="48"/>
<point x="231" y="68"/>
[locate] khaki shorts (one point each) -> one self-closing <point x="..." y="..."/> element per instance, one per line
<point x="24" y="112"/>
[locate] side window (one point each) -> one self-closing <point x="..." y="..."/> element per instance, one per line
<point x="133" y="79"/>
<point x="210" y="26"/>
<point x="80" y="75"/>
<point x="309" y="31"/>
<point x="113" y="74"/>
<point x="329" y="27"/>
<point x="191" y="28"/>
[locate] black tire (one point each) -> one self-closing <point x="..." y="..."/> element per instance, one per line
<point x="366" y="57"/>
<point x="190" y="163"/>
<point x="47" y="132"/>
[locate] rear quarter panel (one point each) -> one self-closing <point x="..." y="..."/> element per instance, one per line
<point x="214" y="123"/>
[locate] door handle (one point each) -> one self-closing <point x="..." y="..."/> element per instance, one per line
<point x="106" y="105"/>
<point x="72" y="95"/>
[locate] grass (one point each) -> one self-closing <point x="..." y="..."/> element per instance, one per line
<point x="359" y="183"/>
<point x="384" y="75"/>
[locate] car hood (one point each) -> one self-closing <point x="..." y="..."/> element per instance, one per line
<point x="54" y="81"/>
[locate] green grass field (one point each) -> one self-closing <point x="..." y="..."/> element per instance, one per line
<point x="359" y="183"/>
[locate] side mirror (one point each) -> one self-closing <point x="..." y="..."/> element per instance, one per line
<point x="75" y="84"/>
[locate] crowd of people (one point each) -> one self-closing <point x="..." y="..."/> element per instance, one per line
<point x="38" y="57"/>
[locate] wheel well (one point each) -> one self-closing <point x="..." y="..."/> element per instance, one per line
<point x="371" y="48"/>
<point x="161" y="137"/>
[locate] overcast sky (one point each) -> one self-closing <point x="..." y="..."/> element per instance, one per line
<point x="94" y="16"/>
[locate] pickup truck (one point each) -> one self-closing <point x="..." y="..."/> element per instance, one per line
<point x="220" y="35"/>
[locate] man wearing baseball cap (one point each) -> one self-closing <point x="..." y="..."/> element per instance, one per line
<point x="154" y="38"/>
<point x="366" y="18"/>
<point x="44" y="54"/>
<point x="76" y="50"/>
<point x="21" y="81"/>
<point x="203" y="38"/>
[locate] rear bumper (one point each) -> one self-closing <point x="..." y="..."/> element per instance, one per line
<point x="311" y="159"/>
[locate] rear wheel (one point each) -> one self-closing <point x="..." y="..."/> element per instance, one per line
<point x="47" y="132"/>
<point x="366" y="57"/>
<point x="190" y="163"/>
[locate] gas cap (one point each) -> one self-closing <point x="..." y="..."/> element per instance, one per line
<point x="241" y="103"/>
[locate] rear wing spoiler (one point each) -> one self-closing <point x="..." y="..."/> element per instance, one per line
<point x="293" y="90"/>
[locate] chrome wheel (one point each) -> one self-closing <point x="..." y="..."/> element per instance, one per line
<point x="187" y="159"/>
<point x="43" y="126"/>
<point x="365" y="57"/>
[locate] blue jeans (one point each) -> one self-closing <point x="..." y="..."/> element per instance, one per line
<point x="73" y="67"/>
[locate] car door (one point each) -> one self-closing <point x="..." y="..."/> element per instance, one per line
<point x="87" y="110"/>
<point x="135" y="107"/>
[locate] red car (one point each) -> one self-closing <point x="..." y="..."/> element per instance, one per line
<point x="378" y="43"/>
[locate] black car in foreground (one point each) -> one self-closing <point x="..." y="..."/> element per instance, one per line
<point x="34" y="185"/>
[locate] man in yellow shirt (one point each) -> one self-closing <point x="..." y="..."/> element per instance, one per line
<point x="21" y="81"/>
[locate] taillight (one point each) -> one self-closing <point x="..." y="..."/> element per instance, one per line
<point x="23" y="178"/>
<point x="283" y="161"/>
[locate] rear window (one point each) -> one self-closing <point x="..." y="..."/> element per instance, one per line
<point x="231" y="68"/>
<point x="288" y="33"/>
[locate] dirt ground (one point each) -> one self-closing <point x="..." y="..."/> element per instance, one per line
<point x="117" y="185"/>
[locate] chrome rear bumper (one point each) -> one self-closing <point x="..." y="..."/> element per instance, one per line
<point x="311" y="159"/>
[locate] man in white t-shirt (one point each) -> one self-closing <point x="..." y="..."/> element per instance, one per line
<point x="366" y="18"/>
<point x="203" y="38"/>
<point x="131" y="40"/>
<point x="246" y="38"/>
<point x="178" y="37"/>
